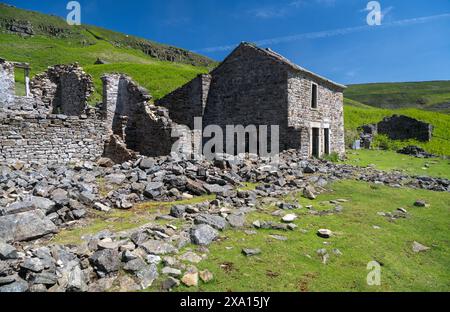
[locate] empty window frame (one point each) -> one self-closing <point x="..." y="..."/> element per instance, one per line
<point x="313" y="95"/>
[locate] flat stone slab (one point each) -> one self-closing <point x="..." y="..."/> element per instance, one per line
<point x="156" y="247"/>
<point x="25" y="226"/>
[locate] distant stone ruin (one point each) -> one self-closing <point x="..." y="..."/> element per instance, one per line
<point x="397" y="127"/>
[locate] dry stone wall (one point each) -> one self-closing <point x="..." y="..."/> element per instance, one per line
<point x="63" y="89"/>
<point x="399" y="127"/>
<point x="29" y="131"/>
<point x="53" y="139"/>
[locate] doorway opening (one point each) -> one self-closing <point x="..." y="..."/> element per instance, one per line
<point x="315" y="142"/>
<point x="22" y="79"/>
<point x="326" y="141"/>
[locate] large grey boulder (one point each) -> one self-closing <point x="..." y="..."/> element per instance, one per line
<point x="147" y="276"/>
<point x="18" y="286"/>
<point x="60" y="196"/>
<point x="76" y="281"/>
<point x="106" y="261"/>
<point x="216" y="222"/>
<point x="177" y="211"/>
<point x="115" y="178"/>
<point x="25" y="226"/>
<point x="236" y="220"/>
<point x="153" y="189"/>
<point x="17" y="207"/>
<point x="203" y="234"/>
<point x="7" y="252"/>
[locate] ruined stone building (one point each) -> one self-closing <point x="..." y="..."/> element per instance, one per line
<point x="53" y="123"/>
<point x="255" y="86"/>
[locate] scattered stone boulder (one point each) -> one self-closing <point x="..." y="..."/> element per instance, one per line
<point x="25" y="226"/>
<point x="249" y="252"/>
<point x="289" y="218"/>
<point x="421" y="203"/>
<point x="415" y="151"/>
<point x="206" y="276"/>
<point x="203" y="234"/>
<point x="190" y="257"/>
<point x="309" y="192"/>
<point x="190" y="279"/>
<point x="236" y="220"/>
<point x="7" y="252"/>
<point x="324" y="233"/>
<point x="170" y="283"/>
<point x="157" y="247"/>
<point x="216" y="222"/>
<point x="105" y="261"/>
<point x="418" y="247"/>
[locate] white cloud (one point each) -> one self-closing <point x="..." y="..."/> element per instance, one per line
<point x="334" y="32"/>
<point x="283" y="10"/>
<point x="268" y="12"/>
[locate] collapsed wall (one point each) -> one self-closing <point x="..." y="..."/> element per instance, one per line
<point x="63" y="89"/>
<point x="133" y="122"/>
<point x="399" y="127"/>
<point x="55" y="125"/>
<point x="30" y="132"/>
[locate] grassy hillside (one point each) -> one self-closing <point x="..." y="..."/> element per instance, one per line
<point x="55" y="42"/>
<point x="430" y="95"/>
<point x="39" y="24"/>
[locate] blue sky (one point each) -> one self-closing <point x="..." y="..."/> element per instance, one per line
<point x="330" y="37"/>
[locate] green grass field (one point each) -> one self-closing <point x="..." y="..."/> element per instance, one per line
<point x="294" y="265"/>
<point x="389" y="161"/>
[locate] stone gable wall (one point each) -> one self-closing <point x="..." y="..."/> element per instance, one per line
<point x="187" y="102"/>
<point x="248" y="89"/>
<point x="131" y="117"/>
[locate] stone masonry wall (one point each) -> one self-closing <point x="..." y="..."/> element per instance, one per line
<point x="248" y="88"/>
<point x="63" y="89"/>
<point x="328" y="114"/>
<point x="130" y="116"/>
<point x="187" y="102"/>
<point x="28" y="130"/>
<point x="54" y="139"/>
